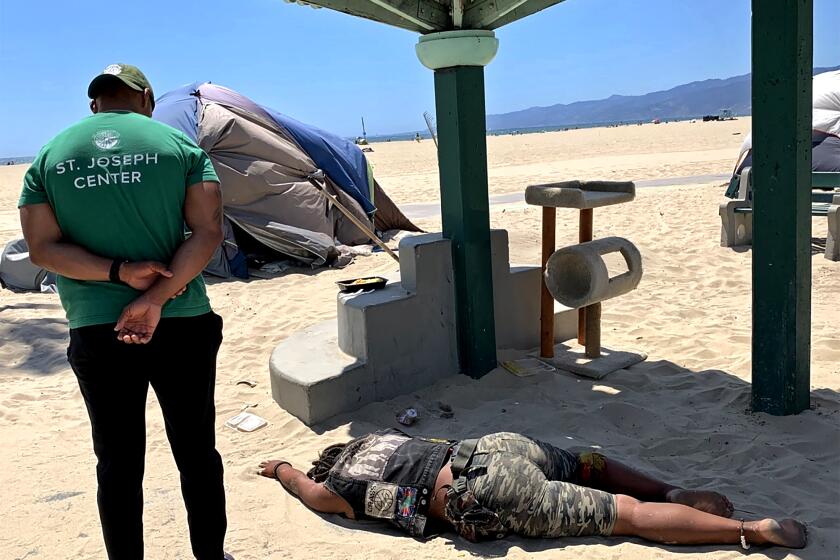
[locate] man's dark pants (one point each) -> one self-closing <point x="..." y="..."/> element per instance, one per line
<point x="180" y="365"/>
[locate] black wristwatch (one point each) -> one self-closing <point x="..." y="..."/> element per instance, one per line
<point x="114" y="273"/>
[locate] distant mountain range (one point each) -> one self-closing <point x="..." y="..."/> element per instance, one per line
<point x="707" y="97"/>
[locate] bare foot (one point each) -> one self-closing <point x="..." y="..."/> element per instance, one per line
<point x="267" y="468"/>
<point x="787" y="532"/>
<point x="703" y="500"/>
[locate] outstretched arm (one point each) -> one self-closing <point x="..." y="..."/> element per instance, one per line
<point x="203" y="216"/>
<point x="314" y="495"/>
<point x="48" y="249"/>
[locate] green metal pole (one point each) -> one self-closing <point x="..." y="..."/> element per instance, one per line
<point x="462" y="159"/>
<point x="782" y="66"/>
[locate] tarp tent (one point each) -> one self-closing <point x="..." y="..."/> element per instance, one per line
<point x="825" y="137"/>
<point x="17" y="273"/>
<point x="265" y="160"/>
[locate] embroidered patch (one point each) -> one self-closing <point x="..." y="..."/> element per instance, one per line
<point x="381" y="500"/>
<point x="406" y="501"/>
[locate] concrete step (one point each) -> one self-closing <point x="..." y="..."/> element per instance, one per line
<point x="313" y="379"/>
<point x="403" y="337"/>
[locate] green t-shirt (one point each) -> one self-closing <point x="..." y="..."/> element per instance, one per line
<point x="117" y="183"/>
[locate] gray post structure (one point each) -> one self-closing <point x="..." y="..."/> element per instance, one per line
<point x="458" y="59"/>
<point x="782" y="70"/>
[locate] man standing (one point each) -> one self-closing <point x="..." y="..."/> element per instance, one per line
<point x="104" y="206"/>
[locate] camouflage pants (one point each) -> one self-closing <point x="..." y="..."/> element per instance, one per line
<point x="529" y="484"/>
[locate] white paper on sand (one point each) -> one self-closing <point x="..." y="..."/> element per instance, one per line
<point x="527" y="367"/>
<point x="246" y="422"/>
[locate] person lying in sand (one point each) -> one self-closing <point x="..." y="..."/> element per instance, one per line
<point x="506" y="483"/>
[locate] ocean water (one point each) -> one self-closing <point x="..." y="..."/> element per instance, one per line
<point x="424" y="134"/>
<point x="16" y="160"/>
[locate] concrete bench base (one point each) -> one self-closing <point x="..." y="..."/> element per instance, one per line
<point x="736" y="223"/>
<point x="398" y="339"/>
<point x="832" y="240"/>
<point x="735" y="227"/>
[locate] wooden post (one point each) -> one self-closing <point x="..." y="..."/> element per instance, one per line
<point x="593" y="331"/>
<point x="462" y="160"/>
<point x="549" y="220"/>
<point x="782" y="68"/>
<point x="584" y="235"/>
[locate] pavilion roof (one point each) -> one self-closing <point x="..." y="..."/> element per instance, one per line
<point x="430" y="16"/>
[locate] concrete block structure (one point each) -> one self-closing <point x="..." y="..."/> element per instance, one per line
<point x="736" y="216"/>
<point x="395" y="340"/>
<point x="832" y="240"/>
<point x="735" y="223"/>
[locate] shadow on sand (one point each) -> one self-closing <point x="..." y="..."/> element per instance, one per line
<point x="45" y="339"/>
<point x="693" y="429"/>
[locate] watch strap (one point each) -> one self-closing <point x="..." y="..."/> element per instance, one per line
<point x="114" y="273"/>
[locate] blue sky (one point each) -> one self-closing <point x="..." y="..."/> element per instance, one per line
<point x="329" y="69"/>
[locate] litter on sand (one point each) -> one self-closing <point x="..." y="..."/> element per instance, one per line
<point x="408" y="417"/>
<point x="246" y="422"/>
<point x="526" y="367"/>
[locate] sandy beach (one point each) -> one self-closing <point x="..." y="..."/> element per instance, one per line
<point x="682" y="415"/>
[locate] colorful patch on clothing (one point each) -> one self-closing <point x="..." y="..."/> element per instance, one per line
<point x="406" y="501"/>
<point x="592" y="466"/>
<point x="381" y="500"/>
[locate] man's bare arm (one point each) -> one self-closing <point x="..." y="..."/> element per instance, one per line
<point x="49" y="250"/>
<point x="203" y="216"/>
<point x="313" y="494"/>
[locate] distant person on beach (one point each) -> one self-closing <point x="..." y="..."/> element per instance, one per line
<point x="507" y="483"/>
<point x="416" y="136"/>
<point x="104" y="206"/>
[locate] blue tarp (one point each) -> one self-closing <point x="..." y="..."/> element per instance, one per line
<point x="340" y="159"/>
<point x="179" y="109"/>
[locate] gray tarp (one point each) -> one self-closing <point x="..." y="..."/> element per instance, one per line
<point x="266" y="191"/>
<point x="16" y="270"/>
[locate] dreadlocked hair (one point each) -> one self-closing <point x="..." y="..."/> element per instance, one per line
<point x="326" y="459"/>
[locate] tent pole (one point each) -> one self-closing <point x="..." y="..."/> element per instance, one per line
<point x="358" y="223"/>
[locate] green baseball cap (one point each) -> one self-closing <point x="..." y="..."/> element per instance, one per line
<point x="126" y="73"/>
